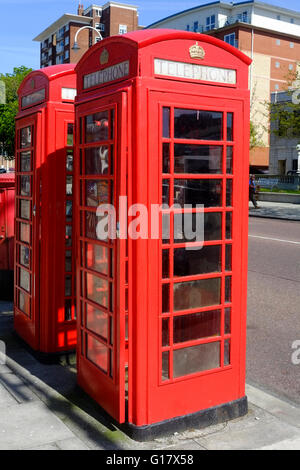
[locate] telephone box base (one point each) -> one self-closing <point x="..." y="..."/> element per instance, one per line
<point x="62" y="357"/>
<point x="6" y="285"/>
<point x="202" y="419"/>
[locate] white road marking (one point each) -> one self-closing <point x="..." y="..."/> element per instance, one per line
<point x="275" y="239"/>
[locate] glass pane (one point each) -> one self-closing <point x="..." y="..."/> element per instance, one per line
<point x="165" y="332"/>
<point x="112" y="123"/>
<point x="25" y="233"/>
<point x="68" y="261"/>
<point x="97" y="258"/>
<point x="165" y="365"/>
<point x="97" y="321"/>
<point x="227" y="352"/>
<point x="206" y="192"/>
<point x="165" y="298"/>
<point x="195" y="294"/>
<point x="228" y="258"/>
<point x="196" y="359"/>
<point x="96" y="127"/>
<point x="96" y="192"/>
<point x="69" y="162"/>
<point x="68" y="235"/>
<point x="212" y="227"/>
<point x="166" y="192"/>
<point x="24" y="303"/>
<point x="165" y="264"/>
<point x="25" y="209"/>
<point x="166" y="122"/>
<point x="69" y="210"/>
<point x="25" y="256"/>
<point x="230" y="126"/>
<point x="228" y="289"/>
<point x="192" y="262"/>
<point x="166" y="228"/>
<point x="97" y="160"/>
<point x="25" y="137"/>
<point x="229" y="193"/>
<point x="68" y="286"/>
<point x="229" y="160"/>
<point x="197" y="158"/>
<point x="70" y="136"/>
<point x="166" y="158"/>
<point x="97" y="353"/>
<point x="91" y="223"/>
<point x="24" y="279"/>
<point x="197" y="326"/>
<point x="227" y="321"/>
<point x="25" y="186"/>
<point x="69" y="185"/>
<point x="25" y="161"/>
<point x="97" y="290"/>
<point x="228" y="225"/>
<point x="194" y="124"/>
<point x="68" y="310"/>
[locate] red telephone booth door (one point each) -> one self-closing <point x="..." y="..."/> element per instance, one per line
<point x="101" y="278"/>
<point x="26" y="229"/>
<point x="197" y="293"/>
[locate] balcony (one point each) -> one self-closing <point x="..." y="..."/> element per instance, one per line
<point x="230" y="20"/>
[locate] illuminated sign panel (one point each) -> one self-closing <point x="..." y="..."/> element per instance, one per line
<point x="110" y="74"/>
<point x="34" y="98"/>
<point x="203" y="73"/>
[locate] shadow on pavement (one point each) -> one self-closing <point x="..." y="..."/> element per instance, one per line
<point x="55" y="385"/>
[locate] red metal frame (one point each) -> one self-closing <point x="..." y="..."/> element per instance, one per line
<point x="45" y="314"/>
<point x="7" y="222"/>
<point x="151" y="397"/>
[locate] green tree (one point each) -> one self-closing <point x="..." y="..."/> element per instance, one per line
<point x="9" y="110"/>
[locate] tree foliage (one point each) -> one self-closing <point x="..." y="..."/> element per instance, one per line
<point x="9" y="110"/>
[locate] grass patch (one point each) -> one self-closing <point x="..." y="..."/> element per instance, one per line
<point x="288" y="191"/>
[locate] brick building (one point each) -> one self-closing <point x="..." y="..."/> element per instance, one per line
<point x="57" y="40"/>
<point x="270" y="35"/>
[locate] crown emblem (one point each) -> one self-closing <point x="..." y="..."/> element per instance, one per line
<point x="197" y="52"/>
<point x="104" y="57"/>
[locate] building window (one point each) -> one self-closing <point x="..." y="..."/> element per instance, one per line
<point x="291" y="45"/>
<point x="67" y="27"/>
<point x="98" y="39"/>
<point x="67" y="41"/>
<point x="196" y="26"/>
<point x="67" y="55"/>
<point x="122" y="28"/>
<point x="60" y="59"/>
<point x="188" y="27"/>
<point x="210" y="22"/>
<point x="230" y="39"/>
<point x="291" y="67"/>
<point x="276" y="87"/>
<point x="245" y="16"/>
<point x="278" y="17"/>
<point x="277" y="65"/>
<point x="292" y="20"/>
<point x="98" y="12"/>
<point x="295" y="165"/>
<point x="277" y="42"/>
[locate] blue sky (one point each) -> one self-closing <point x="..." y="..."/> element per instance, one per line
<point x="22" y="20"/>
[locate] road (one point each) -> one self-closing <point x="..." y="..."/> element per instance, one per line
<point x="274" y="306"/>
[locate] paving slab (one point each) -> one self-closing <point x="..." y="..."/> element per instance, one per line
<point x="30" y="425"/>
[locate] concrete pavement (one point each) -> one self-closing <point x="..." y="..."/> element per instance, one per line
<point x="42" y="408"/>
<point x="275" y="210"/>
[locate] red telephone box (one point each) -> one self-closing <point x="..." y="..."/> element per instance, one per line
<point x="163" y="118"/>
<point x="44" y="265"/>
<point x="7" y="222"/>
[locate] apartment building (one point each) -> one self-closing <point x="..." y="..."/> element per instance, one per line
<point x="270" y="35"/>
<point x="57" y="40"/>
